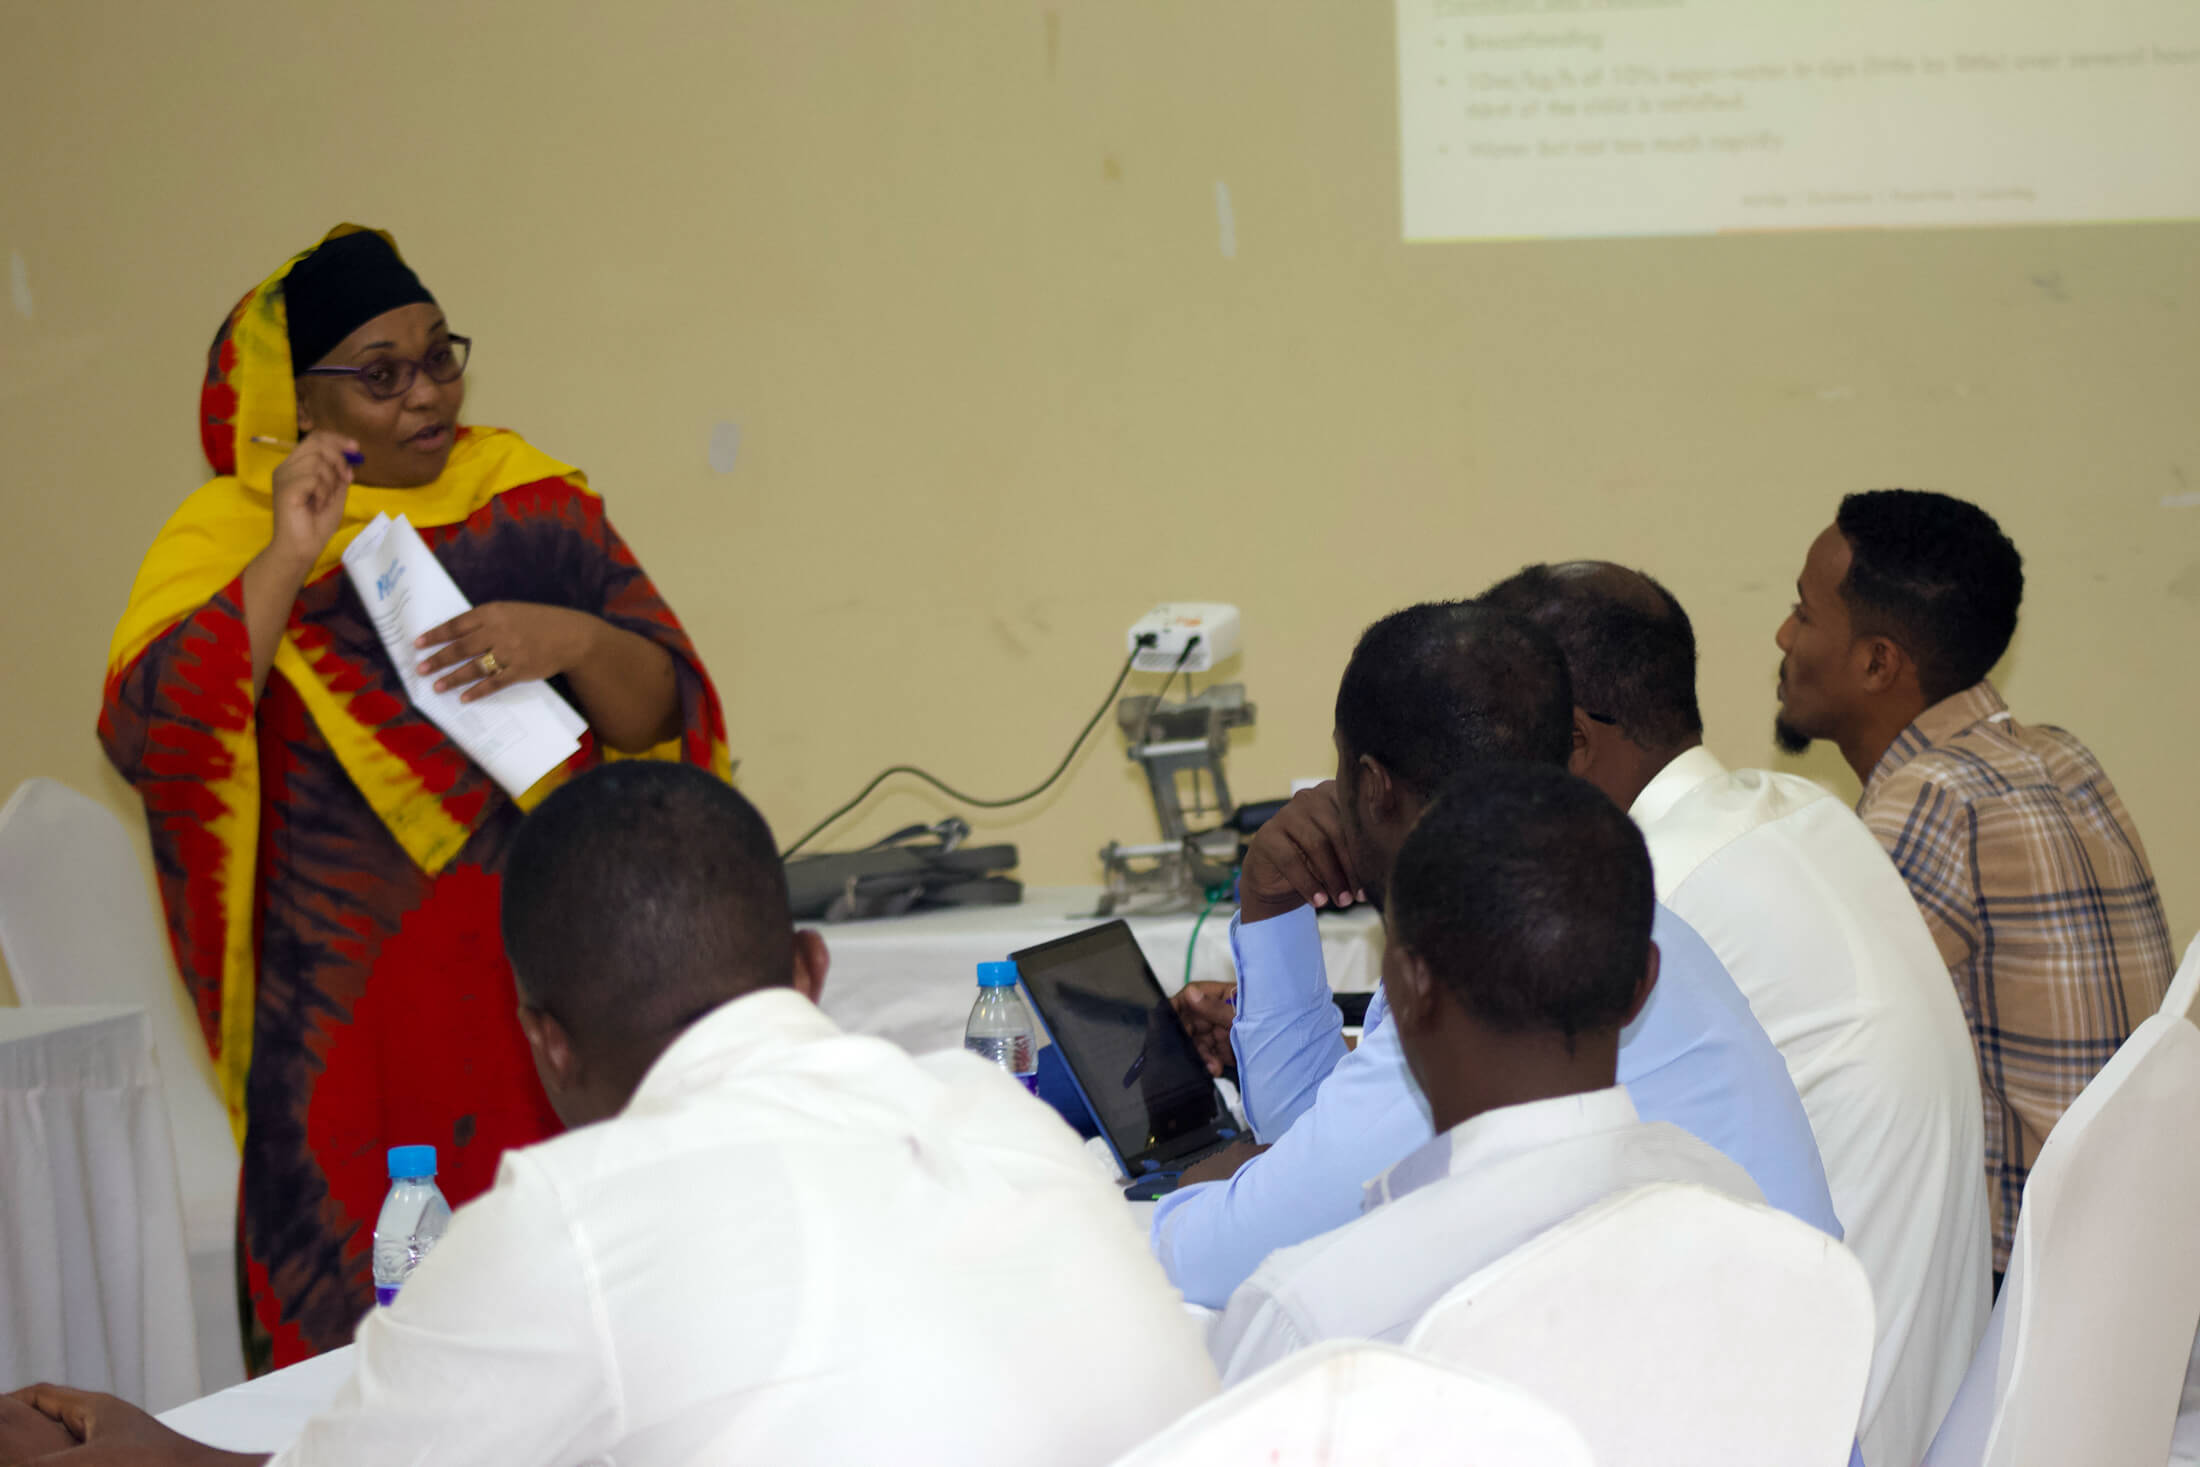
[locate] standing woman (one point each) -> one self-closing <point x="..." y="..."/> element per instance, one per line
<point x="328" y="859"/>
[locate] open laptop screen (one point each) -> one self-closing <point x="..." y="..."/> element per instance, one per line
<point x="1121" y="1039"/>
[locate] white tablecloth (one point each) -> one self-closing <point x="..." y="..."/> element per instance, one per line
<point x="913" y="979"/>
<point x="264" y="1415"/>
<point x="95" y="1286"/>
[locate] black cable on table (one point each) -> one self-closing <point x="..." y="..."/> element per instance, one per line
<point x="972" y="800"/>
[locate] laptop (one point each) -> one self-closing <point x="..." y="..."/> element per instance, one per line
<point x="1128" y="1055"/>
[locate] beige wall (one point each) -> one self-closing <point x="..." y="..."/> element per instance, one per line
<point x="955" y="271"/>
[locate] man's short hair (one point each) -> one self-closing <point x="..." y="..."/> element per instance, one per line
<point x="1935" y="575"/>
<point x="1631" y="664"/>
<point x="1438" y="686"/>
<point x="1529" y="895"/>
<point x="640" y="896"/>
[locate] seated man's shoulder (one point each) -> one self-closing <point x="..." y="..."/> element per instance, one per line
<point x="1948" y="779"/>
<point x="2070" y="759"/>
<point x="1370" y="1276"/>
<point x="1995" y="758"/>
<point x="1962" y="767"/>
<point x="1971" y="779"/>
<point x="1659" y="1151"/>
<point x="1378" y="1273"/>
<point x="839" y="1088"/>
<point x="1768" y="794"/>
<point x="591" y="1164"/>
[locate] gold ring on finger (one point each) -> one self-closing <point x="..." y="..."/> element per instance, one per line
<point x="489" y="664"/>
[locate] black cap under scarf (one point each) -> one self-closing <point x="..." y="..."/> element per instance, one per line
<point x="339" y="288"/>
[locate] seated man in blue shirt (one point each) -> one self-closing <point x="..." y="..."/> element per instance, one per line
<point x="1430" y="691"/>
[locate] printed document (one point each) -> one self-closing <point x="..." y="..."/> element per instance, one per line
<point x="518" y="733"/>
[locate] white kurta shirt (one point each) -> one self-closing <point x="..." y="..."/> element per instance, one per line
<point x="1460" y="1203"/>
<point x="793" y="1246"/>
<point x="1824" y="939"/>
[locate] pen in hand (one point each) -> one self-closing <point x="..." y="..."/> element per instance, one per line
<point x="354" y="459"/>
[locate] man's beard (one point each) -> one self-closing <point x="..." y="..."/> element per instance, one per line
<point x="1791" y="739"/>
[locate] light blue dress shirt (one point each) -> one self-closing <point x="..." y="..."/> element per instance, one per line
<point x="1335" y="1118"/>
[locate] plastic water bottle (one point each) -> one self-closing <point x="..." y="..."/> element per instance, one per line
<point x="1000" y="1027"/>
<point x="413" y="1218"/>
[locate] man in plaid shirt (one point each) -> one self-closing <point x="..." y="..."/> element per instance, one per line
<point x="2017" y="847"/>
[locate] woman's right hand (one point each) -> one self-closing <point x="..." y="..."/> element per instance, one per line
<point x="310" y="487"/>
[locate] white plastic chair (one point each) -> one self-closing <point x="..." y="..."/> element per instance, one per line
<point x="2185" y="1442"/>
<point x="2084" y="1359"/>
<point x="1369" y="1406"/>
<point x="1675" y="1325"/>
<point x="2185" y="987"/>
<point x="79" y="927"/>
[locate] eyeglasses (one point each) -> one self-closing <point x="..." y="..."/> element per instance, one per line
<point x="388" y="377"/>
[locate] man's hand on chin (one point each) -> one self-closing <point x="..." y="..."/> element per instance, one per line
<point x="92" y="1429"/>
<point x="1301" y="857"/>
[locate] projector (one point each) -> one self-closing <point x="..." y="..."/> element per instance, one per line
<point x="1173" y="625"/>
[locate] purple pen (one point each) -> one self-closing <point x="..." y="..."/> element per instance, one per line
<point x="354" y="459"/>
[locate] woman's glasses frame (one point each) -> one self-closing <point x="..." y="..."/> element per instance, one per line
<point x="408" y="370"/>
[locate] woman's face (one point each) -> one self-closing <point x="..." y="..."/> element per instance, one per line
<point x="405" y="440"/>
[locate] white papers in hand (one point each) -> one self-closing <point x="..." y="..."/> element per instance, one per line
<point x="518" y="733"/>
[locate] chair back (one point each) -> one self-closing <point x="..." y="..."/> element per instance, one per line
<point x="2086" y="1355"/>
<point x="1370" y="1405"/>
<point x="78" y="926"/>
<point x="2185" y="987"/>
<point x="1675" y="1325"/>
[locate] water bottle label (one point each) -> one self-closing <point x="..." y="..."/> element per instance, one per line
<point x="385" y="1294"/>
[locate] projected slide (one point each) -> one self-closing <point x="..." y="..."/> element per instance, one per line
<point x="1569" y="118"/>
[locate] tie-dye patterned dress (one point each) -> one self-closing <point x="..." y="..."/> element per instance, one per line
<point x="381" y="1006"/>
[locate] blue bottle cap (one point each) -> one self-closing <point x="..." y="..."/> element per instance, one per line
<point x="996" y="975"/>
<point x="411" y="1161"/>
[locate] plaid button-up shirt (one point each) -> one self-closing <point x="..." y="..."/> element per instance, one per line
<point x="2037" y="890"/>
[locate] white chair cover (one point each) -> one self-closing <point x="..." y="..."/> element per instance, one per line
<point x="79" y="927"/>
<point x="1370" y="1406"/>
<point x="95" y="1289"/>
<point x="1674" y="1325"/>
<point x="2085" y="1357"/>
<point x="2185" y="987"/>
<point x="2185" y="1444"/>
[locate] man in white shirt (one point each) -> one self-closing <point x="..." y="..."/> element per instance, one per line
<point x="1798" y="899"/>
<point x="1518" y="920"/>
<point x="765" y="1240"/>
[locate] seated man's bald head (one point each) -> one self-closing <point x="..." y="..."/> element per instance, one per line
<point x="1607" y="581"/>
<point x="1629" y="646"/>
